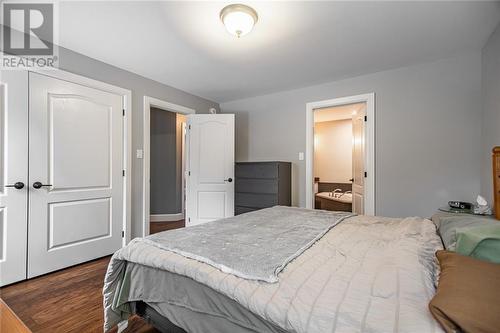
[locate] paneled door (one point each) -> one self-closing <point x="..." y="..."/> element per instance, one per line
<point x="13" y="175"/>
<point x="358" y="161"/>
<point x="210" y="159"/>
<point x="75" y="174"/>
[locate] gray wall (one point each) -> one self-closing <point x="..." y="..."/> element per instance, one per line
<point x="428" y="130"/>
<point x="164" y="196"/>
<point x="140" y="86"/>
<point x="491" y="110"/>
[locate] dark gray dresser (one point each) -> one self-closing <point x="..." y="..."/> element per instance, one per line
<point x="262" y="184"/>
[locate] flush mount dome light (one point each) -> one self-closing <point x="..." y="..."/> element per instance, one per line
<point x="239" y="19"/>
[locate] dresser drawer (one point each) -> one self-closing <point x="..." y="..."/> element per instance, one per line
<point x="256" y="200"/>
<point x="260" y="170"/>
<point x="242" y="210"/>
<point x="248" y="185"/>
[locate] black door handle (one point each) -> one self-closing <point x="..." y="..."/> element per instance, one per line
<point x="351" y="180"/>
<point x="38" y="185"/>
<point x="17" y="186"/>
<point x="229" y="180"/>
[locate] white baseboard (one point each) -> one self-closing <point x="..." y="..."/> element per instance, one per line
<point x="166" y="217"/>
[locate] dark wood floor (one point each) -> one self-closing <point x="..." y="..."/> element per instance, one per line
<point x="155" y="227"/>
<point x="69" y="300"/>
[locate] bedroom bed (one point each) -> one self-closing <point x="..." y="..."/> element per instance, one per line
<point x="357" y="273"/>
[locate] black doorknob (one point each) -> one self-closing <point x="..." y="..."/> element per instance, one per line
<point x="38" y="185"/>
<point x="229" y="180"/>
<point x="17" y="186"/>
<point x="351" y="180"/>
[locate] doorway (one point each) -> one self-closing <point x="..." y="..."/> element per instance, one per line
<point x="334" y="162"/>
<point x="340" y="155"/>
<point x="166" y="191"/>
<point x="209" y="164"/>
<point x="164" y="165"/>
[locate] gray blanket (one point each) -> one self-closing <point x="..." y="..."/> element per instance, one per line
<point x="254" y="246"/>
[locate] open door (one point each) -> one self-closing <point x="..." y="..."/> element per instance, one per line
<point x="210" y="168"/>
<point x="358" y="158"/>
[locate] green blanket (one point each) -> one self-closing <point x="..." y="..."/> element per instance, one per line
<point x="481" y="242"/>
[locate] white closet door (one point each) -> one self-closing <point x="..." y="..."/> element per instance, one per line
<point x="358" y="162"/>
<point x="13" y="169"/>
<point x="210" y="152"/>
<point x="75" y="169"/>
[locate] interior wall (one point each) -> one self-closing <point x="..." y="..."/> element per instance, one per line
<point x="427" y="132"/>
<point x="164" y="194"/>
<point x="491" y="110"/>
<point x="333" y="151"/>
<point x="140" y="87"/>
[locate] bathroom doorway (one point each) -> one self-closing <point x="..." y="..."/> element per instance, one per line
<point x="335" y="149"/>
<point x="339" y="163"/>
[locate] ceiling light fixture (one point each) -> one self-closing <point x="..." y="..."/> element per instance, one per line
<point x="239" y="19"/>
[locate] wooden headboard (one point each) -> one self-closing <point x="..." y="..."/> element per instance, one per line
<point x="496" y="181"/>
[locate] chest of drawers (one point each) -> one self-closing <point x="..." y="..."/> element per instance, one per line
<point x="262" y="184"/>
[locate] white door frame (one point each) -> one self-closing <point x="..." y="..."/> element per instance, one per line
<point x="127" y="134"/>
<point x="369" y="99"/>
<point x="183" y="167"/>
<point x="167" y="106"/>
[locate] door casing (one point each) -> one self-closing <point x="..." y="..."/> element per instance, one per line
<point x="369" y="99"/>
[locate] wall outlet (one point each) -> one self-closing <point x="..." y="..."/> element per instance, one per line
<point x="139" y="153"/>
<point x="301" y="156"/>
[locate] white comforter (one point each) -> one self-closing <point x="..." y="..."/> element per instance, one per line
<point x="368" y="274"/>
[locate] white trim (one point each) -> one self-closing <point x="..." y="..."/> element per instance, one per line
<point x="158" y="103"/>
<point x="127" y="133"/>
<point x="183" y="167"/>
<point x="165" y="217"/>
<point x="369" y="99"/>
<point x="82" y="80"/>
<point x="147" y="104"/>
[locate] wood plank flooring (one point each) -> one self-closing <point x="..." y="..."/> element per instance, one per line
<point x="155" y="227"/>
<point x="69" y="300"/>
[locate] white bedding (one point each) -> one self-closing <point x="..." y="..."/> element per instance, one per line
<point x="368" y="274"/>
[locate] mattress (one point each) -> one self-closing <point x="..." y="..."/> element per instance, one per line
<point x="370" y="274"/>
<point x="190" y="304"/>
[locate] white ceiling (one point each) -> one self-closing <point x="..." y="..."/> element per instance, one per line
<point x="337" y="112"/>
<point x="294" y="44"/>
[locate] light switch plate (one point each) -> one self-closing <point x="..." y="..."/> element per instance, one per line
<point x="301" y="156"/>
<point x="139" y="153"/>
